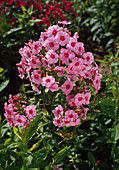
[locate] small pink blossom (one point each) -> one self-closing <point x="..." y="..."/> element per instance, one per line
<point x="62" y="38"/>
<point x="88" y="58"/>
<point x="19" y="120"/>
<point x="52" y="57"/>
<point x="67" y="86"/>
<point x="64" y="22"/>
<point x="51" y="44"/>
<point x="36" y="77"/>
<point x="30" y="111"/>
<point x="58" y="111"/>
<point x="48" y="81"/>
<point x="79" y="99"/>
<point x="57" y="121"/>
<point x="34" y="62"/>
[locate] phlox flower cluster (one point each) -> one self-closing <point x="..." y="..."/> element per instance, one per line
<point x="18" y="112"/>
<point x="58" y="62"/>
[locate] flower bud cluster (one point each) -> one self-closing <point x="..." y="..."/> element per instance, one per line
<point x="59" y="62"/>
<point x="18" y="112"/>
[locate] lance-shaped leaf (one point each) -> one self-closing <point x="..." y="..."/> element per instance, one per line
<point x="17" y="133"/>
<point x="31" y="129"/>
<point x="60" y="155"/>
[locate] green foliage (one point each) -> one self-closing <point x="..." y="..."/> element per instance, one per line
<point x="99" y="20"/>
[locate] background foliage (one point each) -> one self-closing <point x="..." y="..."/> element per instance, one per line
<point x="95" y="143"/>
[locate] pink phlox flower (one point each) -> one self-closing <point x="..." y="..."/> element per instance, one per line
<point x="19" y="120"/>
<point x="21" y="72"/>
<point x="43" y="37"/>
<point x="77" y="65"/>
<point x="62" y="38"/>
<point x="30" y="111"/>
<point x="64" y="22"/>
<point x="36" y="77"/>
<point x="57" y="121"/>
<point x="79" y="100"/>
<point x="72" y="44"/>
<point x="80" y="48"/>
<point x="27" y="53"/>
<point x="52" y="57"/>
<point x="76" y="35"/>
<point x="34" y="62"/>
<point x="70" y="100"/>
<point x="35" y="87"/>
<point x="97" y="82"/>
<point x="87" y="97"/>
<point x="51" y="44"/>
<point x="45" y="63"/>
<point x="48" y="81"/>
<point x="59" y="70"/>
<point x="58" y="111"/>
<point x="97" y="162"/>
<point x="87" y="75"/>
<point x="54" y="87"/>
<point x="53" y="30"/>
<point x="67" y="86"/>
<point x="88" y="58"/>
<point x="65" y="55"/>
<point x="36" y="47"/>
<point x="66" y="121"/>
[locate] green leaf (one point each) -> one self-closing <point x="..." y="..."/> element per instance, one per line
<point x="4" y="84"/>
<point x="91" y="158"/>
<point x="31" y="129"/>
<point x="60" y="155"/>
<point x="117" y="132"/>
<point x="17" y="133"/>
<point x="107" y="102"/>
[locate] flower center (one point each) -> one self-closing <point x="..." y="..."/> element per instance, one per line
<point x="30" y="111"/>
<point x="54" y="32"/>
<point x="48" y="80"/>
<point x="51" y="44"/>
<point x="67" y="86"/>
<point x="77" y="64"/>
<point x="52" y="56"/>
<point x="62" y="38"/>
<point x="73" y="44"/>
<point x="80" y="98"/>
<point x="66" y="55"/>
<point x="36" y="76"/>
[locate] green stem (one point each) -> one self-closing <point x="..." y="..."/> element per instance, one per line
<point x="116" y="109"/>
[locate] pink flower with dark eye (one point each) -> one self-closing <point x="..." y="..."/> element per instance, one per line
<point x="72" y="44"/>
<point x="80" y="48"/>
<point x="88" y="58"/>
<point x="63" y="38"/>
<point x="67" y="86"/>
<point x="66" y="55"/>
<point x="30" y="111"/>
<point x="54" y="87"/>
<point x="87" y="97"/>
<point x="19" y="120"/>
<point x="51" y="44"/>
<point x="53" y="30"/>
<point x="34" y="62"/>
<point x="36" y="47"/>
<point x="48" y="81"/>
<point x="36" y="77"/>
<point x="58" y="111"/>
<point x="57" y="121"/>
<point x="52" y="57"/>
<point x="27" y="53"/>
<point x="79" y="100"/>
